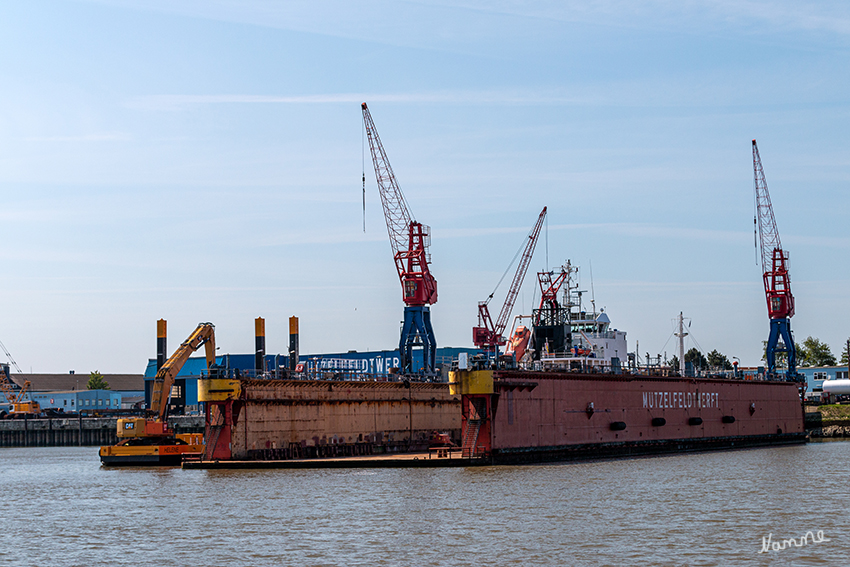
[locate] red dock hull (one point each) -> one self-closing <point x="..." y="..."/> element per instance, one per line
<point x="551" y="416"/>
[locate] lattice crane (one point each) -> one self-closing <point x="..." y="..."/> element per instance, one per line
<point x="486" y="335"/>
<point x="550" y="309"/>
<point x="410" y="241"/>
<point x="777" y="282"/>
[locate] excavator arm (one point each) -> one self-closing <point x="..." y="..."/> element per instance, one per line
<point x="203" y="335"/>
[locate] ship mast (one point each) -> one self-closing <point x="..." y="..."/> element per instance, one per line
<point x="681" y="335"/>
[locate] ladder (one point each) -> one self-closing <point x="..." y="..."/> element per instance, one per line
<point x="470" y="438"/>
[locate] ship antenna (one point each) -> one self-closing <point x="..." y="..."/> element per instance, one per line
<point x="592" y="293"/>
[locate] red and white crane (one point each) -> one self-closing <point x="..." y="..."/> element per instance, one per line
<point x="410" y="241"/>
<point x="486" y="335"/>
<point x="777" y="282"/>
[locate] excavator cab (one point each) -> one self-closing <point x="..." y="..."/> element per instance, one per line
<point x="141" y="427"/>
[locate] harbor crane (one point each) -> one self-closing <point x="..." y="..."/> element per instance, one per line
<point x="410" y="241"/>
<point x="777" y="282"/>
<point x="486" y="335"/>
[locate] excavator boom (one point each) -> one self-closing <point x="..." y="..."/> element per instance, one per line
<point x="204" y="335"/>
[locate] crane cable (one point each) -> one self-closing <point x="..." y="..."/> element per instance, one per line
<point x="363" y="151"/>
<point x="508" y="269"/>
<point x="12" y="360"/>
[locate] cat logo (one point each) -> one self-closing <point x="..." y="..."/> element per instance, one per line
<point x="129" y="425"/>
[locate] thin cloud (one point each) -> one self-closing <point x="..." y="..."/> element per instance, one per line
<point x="710" y="14"/>
<point x="178" y="101"/>
<point x="96" y="137"/>
<point x="488" y="20"/>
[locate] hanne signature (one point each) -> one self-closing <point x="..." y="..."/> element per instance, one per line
<point x="768" y="545"/>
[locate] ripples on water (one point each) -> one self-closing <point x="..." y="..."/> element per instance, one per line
<point x="59" y="507"/>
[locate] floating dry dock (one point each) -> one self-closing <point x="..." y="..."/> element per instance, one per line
<point x="494" y="416"/>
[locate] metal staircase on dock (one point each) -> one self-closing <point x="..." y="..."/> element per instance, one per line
<point x="215" y="430"/>
<point x="470" y="438"/>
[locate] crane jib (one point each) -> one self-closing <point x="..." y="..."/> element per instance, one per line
<point x="487" y="335"/>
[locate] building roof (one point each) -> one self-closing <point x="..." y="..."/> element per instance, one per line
<point x="59" y="382"/>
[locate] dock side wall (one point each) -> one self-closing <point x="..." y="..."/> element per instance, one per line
<point x="558" y="411"/>
<point x="389" y="416"/>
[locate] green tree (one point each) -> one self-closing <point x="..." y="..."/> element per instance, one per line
<point x="844" y="354"/>
<point x="674" y="362"/>
<point x="718" y="360"/>
<point x="96" y="381"/>
<point x="781" y="357"/>
<point x="696" y="358"/>
<point x="813" y="352"/>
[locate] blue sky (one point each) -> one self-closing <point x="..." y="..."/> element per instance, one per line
<point x="201" y="161"/>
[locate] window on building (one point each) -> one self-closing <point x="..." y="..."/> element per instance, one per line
<point x="65" y="402"/>
<point x="176" y="391"/>
<point x="100" y="402"/>
<point x="819" y="375"/>
<point x="87" y="402"/>
<point x="841" y="375"/>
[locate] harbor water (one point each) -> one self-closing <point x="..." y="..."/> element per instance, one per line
<point x="60" y="507"/>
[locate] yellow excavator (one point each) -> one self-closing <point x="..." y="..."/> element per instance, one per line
<point x="148" y="440"/>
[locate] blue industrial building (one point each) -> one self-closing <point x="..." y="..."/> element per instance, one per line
<point x="815" y="376"/>
<point x="78" y="400"/>
<point x="350" y="365"/>
<point x="68" y="393"/>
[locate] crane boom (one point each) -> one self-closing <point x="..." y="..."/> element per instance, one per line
<point x="777" y="281"/>
<point x="487" y="335"/>
<point x="768" y="233"/>
<point x="11" y="360"/>
<point x="396" y="211"/>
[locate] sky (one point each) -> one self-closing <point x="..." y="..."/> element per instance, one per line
<point x="201" y="161"/>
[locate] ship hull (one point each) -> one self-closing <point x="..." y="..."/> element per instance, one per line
<point x="593" y="451"/>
